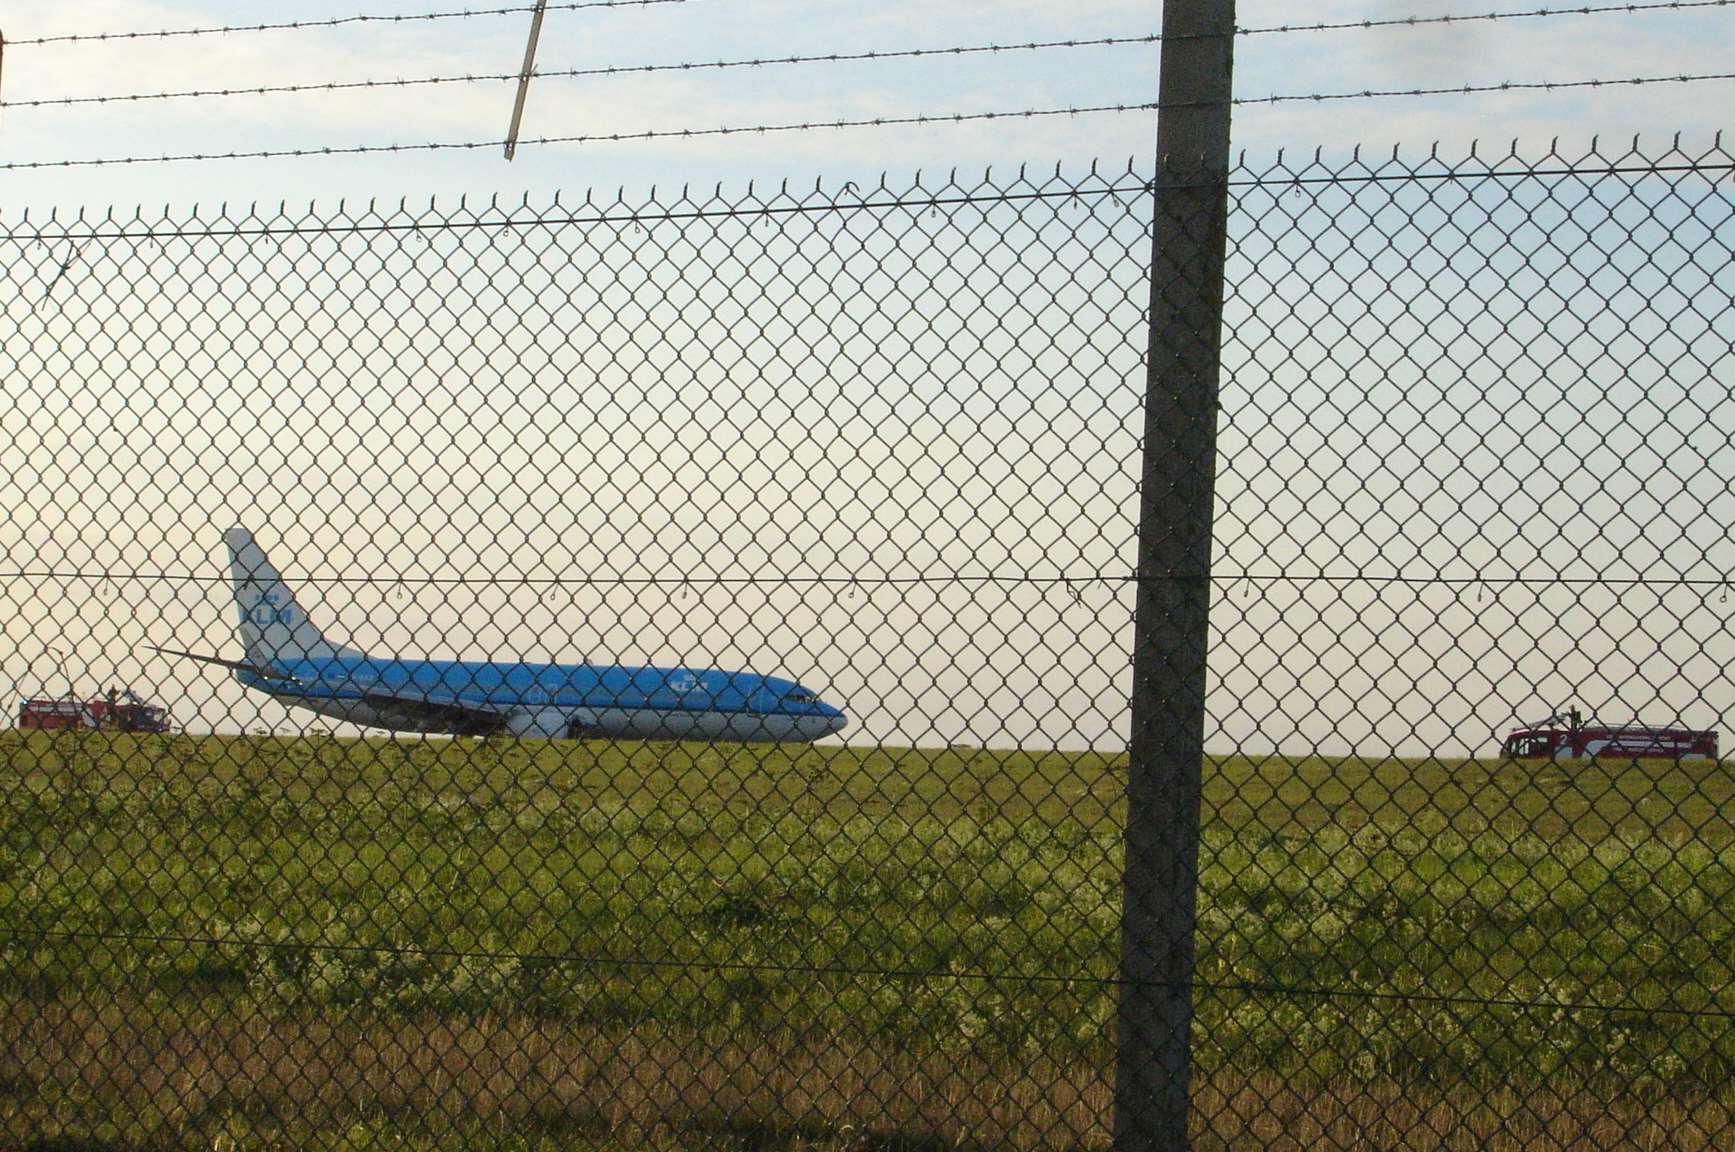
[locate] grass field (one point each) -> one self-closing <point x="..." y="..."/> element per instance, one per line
<point x="237" y="942"/>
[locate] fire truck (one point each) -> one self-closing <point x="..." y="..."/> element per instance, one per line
<point x="120" y="710"/>
<point x="1567" y="735"/>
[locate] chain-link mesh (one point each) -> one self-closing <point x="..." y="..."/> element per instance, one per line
<point x="609" y="508"/>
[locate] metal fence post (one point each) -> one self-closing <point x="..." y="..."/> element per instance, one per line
<point x="1174" y="565"/>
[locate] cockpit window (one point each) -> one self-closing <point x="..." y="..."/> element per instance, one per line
<point x="802" y="698"/>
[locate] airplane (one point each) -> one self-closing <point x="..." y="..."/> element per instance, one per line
<point x="290" y="659"/>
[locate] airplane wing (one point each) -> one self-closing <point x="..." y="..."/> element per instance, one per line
<point x="232" y="665"/>
<point x="428" y="711"/>
<point x="437" y="711"/>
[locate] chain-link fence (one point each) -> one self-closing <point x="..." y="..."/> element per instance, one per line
<point x="611" y="507"/>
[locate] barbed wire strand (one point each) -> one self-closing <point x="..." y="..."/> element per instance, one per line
<point x="1473" y="89"/>
<point x="607" y="70"/>
<point x="475" y="13"/>
<point x="1484" y="17"/>
<point x="816" y="58"/>
<point x="332" y="22"/>
<point x="871" y="122"/>
<point x="585" y="138"/>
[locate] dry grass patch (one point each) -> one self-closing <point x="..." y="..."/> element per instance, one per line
<point x="119" y="1078"/>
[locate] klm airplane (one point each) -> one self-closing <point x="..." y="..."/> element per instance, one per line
<point x="288" y="658"/>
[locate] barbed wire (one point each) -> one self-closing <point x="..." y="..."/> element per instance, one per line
<point x="585" y="138"/>
<point x="333" y="22"/>
<point x="474" y="13"/>
<point x="1482" y="17"/>
<point x="867" y="122"/>
<point x="816" y="58"/>
<point x="1473" y="89"/>
<point x="572" y="73"/>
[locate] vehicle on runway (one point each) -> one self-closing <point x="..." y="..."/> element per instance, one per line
<point x="290" y="659"/>
<point x="1568" y="736"/>
<point x="120" y="710"/>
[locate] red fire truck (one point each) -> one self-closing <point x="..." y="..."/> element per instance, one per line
<point x="1567" y="735"/>
<point x="118" y="711"/>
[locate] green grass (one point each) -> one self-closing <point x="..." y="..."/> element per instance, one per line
<point x="944" y="908"/>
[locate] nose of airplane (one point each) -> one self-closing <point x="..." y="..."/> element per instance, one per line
<point x="822" y="721"/>
<point x="835" y="720"/>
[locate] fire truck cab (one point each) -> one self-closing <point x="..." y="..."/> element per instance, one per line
<point x="1567" y="736"/>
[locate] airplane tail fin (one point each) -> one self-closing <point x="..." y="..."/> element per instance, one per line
<point x="273" y="626"/>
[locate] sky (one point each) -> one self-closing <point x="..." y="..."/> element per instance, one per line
<point x="1604" y="46"/>
<point x="1492" y="382"/>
